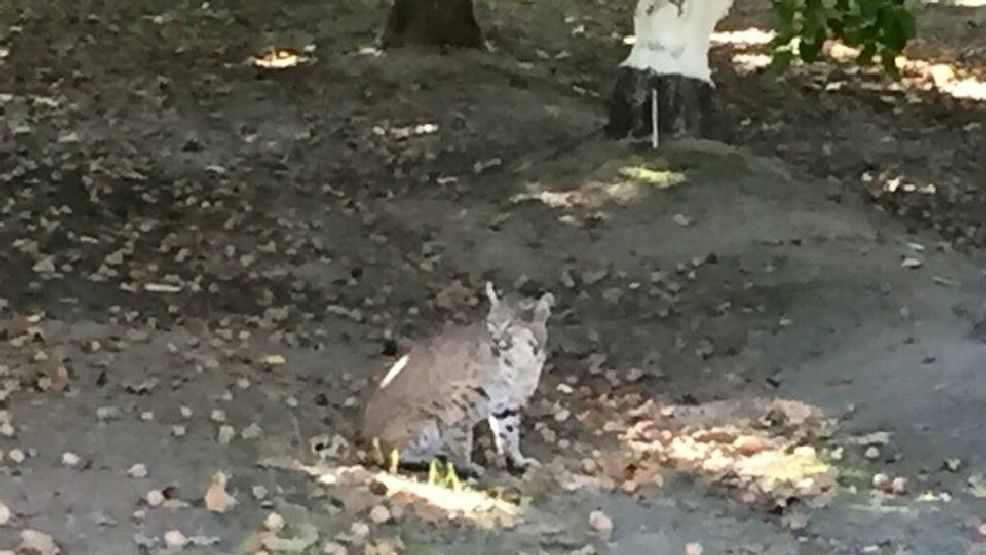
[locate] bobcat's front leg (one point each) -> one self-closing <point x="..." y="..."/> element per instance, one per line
<point x="505" y="426"/>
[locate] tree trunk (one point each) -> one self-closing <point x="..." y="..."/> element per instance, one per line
<point x="432" y="23"/>
<point x="684" y="107"/>
<point x="668" y="69"/>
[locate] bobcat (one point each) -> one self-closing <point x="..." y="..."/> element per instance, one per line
<point x="431" y="399"/>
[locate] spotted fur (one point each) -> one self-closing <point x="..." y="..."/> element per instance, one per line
<point x="431" y="399"/>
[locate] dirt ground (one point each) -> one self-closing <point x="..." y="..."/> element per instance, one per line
<point x="763" y="348"/>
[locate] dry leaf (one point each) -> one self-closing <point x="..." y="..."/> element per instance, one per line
<point x="138" y="470"/>
<point x="379" y="514"/>
<point x="977" y="486"/>
<point x="273" y="360"/>
<point x="333" y="548"/>
<point x="33" y="541"/>
<point x="910" y="262"/>
<point x="307" y="536"/>
<point x="216" y="498"/>
<point x="682" y="220"/>
<point x="795" y="520"/>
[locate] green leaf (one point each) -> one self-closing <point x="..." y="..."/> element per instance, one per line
<point x="866" y="54"/>
<point x="878" y="27"/>
<point x="898" y="29"/>
<point x="433" y="473"/>
<point x="780" y="62"/>
<point x="812" y="38"/>
<point x="784" y="12"/>
<point x="889" y="61"/>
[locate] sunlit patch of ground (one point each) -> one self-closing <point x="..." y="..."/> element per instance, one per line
<point x="373" y="497"/>
<point x="431" y="502"/>
<point x="275" y="58"/>
<point x="619" y="182"/>
<point x="768" y="459"/>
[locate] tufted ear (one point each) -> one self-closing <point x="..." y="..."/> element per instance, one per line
<point x="543" y="309"/>
<point x="491" y="295"/>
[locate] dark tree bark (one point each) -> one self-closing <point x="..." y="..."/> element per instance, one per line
<point x="684" y="107"/>
<point x="432" y="23"/>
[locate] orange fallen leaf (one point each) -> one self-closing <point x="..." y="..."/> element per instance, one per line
<point x="216" y="498"/>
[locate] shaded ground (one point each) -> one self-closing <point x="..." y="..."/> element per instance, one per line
<point x="182" y="230"/>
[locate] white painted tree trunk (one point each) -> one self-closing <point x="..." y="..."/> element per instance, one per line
<point x="673" y="36"/>
<point x="665" y="82"/>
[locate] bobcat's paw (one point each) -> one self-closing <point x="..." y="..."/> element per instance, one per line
<point x="524" y="463"/>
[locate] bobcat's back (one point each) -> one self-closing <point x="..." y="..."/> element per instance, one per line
<point x="441" y="378"/>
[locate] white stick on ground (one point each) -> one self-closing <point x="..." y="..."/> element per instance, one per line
<point x="654" y="120"/>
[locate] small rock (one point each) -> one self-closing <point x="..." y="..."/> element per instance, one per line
<point x="588" y="466"/>
<point x="899" y="485"/>
<point x="154" y="498"/>
<point x="138" y="470"/>
<point x="71" y="459"/>
<point x="16" y="456"/>
<point x="379" y="514"/>
<point x="178" y="430"/>
<point x="881" y="482"/>
<point x="872" y="453"/>
<point x="693" y="548"/>
<point x="5" y="514"/>
<point x="185" y="411"/>
<point x="952" y="465"/>
<point x="175" y="539"/>
<point x="251" y="432"/>
<point x="682" y="220"/>
<point x="44" y="266"/>
<point x="748" y="444"/>
<point x="601" y="524"/>
<point x="218" y="416"/>
<point x="795" y="520"/>
<point x="274" y="522"/>
<point x="108" y="413"/>
<point x="333" y="548"/>
<point x="226" y="434"/>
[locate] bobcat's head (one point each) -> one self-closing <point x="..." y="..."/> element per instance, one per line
<point x="518" y="324"/>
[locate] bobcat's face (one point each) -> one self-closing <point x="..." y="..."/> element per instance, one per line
<point x="518" y="324"/>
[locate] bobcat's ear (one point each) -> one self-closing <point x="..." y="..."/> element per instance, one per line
<point x="491" y="295"/>
<point x="543" y="309"/>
